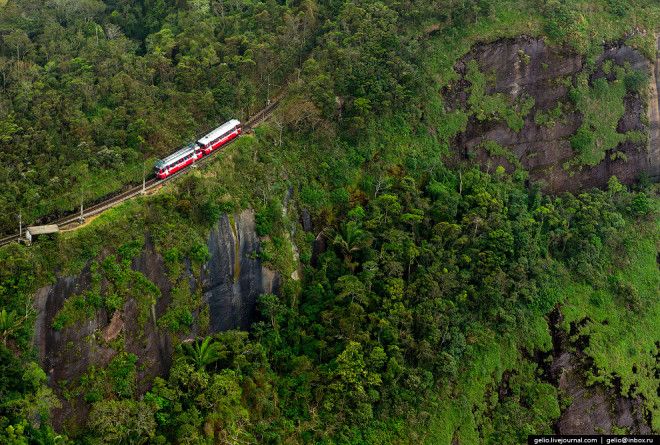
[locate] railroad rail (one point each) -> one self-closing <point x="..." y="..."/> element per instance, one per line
<point x="150" y="184"/>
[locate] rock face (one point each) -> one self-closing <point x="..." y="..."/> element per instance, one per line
<point x="234" y="278"/>
<point x="56" y="346"/>
<point x="593" y="409"/>
<point x="528" y="67"/>
<point x="231" y="281"/>
<point x="68" y="353"/>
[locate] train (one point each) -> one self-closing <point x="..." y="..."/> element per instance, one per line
<point x="196" y="150"/>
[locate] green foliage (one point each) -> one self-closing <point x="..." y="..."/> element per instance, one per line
<point x="494" y="106"/>
<point x="551" y="117"/>
<point x="204" y="353"/>
<point x="268" y="217"/>
<point x="177" y="319"/>
<point x="563" y="23"/>
<point x="87" y="124"/>
<point x="123" y="283"/>
<point x="25" y="402"/>
<point x="529" y="407"/>
<point x="122" y="374"/>
<point x="195" y="404"/>
<point x="627" y="310"/>
<point x="601" y="105"/>
<point x="636" y="81"/>
<point x="199" y="253"/>
<point x="618" y="7"/>
<point x="122" y="421"/>
<point x="495" y="149"/>
<point x="431" y="293"/>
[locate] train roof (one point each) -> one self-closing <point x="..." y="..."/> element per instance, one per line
<point x="42" y="230"/>
<point x="185" y="151"/>
<point x="215" y="134"/>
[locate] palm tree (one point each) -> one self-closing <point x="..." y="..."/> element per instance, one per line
<point x="350" y="240"/>
<point x="204" y="353"/>
<point x="8" y="324"/>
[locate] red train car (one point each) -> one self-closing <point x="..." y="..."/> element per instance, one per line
<point x="204" y="146"/>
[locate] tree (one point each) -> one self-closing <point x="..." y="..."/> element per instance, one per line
<point x="350" y="240"/>
<point x="227" y="418"/>
<point x="9" y="322"/>
<point x="19" y="41"/>
<point x="353" y="385"/>
<point x="201" y="354"/>
<point x="122" y="422"/>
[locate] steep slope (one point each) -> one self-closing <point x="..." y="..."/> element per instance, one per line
<point x="654" y="115"/>
<point x="234" y="278"/>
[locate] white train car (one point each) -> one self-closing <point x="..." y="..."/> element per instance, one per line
<point x="220" y="136"/>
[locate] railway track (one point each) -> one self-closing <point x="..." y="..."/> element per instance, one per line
<point x="149" y="184"/>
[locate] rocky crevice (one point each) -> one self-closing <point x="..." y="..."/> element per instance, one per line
<point x="234" y="278"/>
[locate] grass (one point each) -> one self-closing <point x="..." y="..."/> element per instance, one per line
<point x="494" y="149"/>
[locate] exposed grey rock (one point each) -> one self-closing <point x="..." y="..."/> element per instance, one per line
<point x="67" y="354"/>
<point x="149" y="343"/>
<point x="306" y="220"/>
<point x="234" y="277"/>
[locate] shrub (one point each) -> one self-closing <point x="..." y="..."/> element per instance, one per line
<point x="267" y="217"/>
<point x="199" y="253"/>
<point x="582" y="140"/>
<point x="618" y="7"/>
<point x="635" y="81"/>
<point x="641" y="205"/>
<point x="123" y="374"/>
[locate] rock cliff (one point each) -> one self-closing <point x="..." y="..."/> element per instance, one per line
<point x="523" y="69"/>
<point x="234" y="278"/>
<point x="231" y="281"/>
